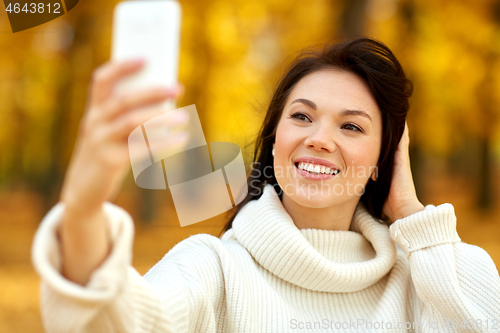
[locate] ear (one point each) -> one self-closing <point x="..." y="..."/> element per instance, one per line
<point x="374" y="176"/>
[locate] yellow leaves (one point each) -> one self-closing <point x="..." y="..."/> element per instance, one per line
<point x="37" y="100"/>
<point x="233" y="51"/>
<point x="222" y="29"/>
<point x="231" y="114"/>
<point x="434" y="125"/>
<point x="187" y="65"/>
<point x="452" y="54"/>
<point x="467" y="24"/>
<point x="253" y="17"/>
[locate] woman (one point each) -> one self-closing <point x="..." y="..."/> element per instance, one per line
<point x="306" y="248"/>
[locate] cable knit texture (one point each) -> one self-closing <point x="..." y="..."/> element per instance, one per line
<point x="265" y="275"/>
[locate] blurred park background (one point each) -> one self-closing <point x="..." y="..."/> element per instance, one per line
<point x="232" y="54"/>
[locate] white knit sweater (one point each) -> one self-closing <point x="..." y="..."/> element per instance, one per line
<point x="265" y="275"/>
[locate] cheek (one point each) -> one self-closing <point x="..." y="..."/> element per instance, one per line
<point x="286" y="139"/>
<point x="362" y="155"/>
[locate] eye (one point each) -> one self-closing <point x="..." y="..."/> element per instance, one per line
<point x="300" y="116"/>
<point x="351" y="127"/>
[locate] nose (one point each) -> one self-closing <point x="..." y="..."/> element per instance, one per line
<point x="321" y="139"/>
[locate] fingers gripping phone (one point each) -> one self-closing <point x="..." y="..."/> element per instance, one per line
<point x="149" y="29"/>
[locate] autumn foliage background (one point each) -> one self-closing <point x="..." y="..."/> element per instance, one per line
<point x="232" y="54"/>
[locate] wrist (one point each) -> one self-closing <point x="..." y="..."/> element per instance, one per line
<point x="76" y="206"/>
<point x="84" y="243"/>
<point x="409" y="209"/>
<point x="76" y="219"/>
<point x="78" y="215"/>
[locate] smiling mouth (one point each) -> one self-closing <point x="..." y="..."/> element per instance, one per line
<point x="315" y="169"/>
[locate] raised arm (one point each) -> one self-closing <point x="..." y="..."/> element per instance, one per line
<point x="82" y="249"/>
<point x="99" y="163"/>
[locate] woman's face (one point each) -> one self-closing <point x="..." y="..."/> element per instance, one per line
<point x="330" y="120"/>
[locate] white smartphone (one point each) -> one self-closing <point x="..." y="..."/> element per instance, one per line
<point x="148" y="29"/>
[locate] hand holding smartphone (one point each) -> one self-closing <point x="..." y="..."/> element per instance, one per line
<point x="123" y="95"/>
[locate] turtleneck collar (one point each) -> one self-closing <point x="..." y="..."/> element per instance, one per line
<point x="316" y="259"/>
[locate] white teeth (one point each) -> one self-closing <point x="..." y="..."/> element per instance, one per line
<point x="317" y="168"/>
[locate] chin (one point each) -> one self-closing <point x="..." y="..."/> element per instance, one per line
<point x="311" y="203"/>
<point x="312" y="198"/>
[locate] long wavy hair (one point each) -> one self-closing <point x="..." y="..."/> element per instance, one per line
<point x="374" y="62"/>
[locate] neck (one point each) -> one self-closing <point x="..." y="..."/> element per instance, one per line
<point x="336" y="217"/>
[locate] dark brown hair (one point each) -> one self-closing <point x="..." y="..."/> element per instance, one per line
<point x="376" y="64"/>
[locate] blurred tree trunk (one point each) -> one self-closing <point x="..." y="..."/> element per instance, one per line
<point x="14" y="172"/>
<point x="407" y="10"/>
<point x="486" y="103"/>
<point x="485" y="194"/>
<point x="490" y="118"/>
<point x="50" y="184"/>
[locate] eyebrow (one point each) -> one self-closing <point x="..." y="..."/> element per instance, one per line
<point x="344" y="113"/>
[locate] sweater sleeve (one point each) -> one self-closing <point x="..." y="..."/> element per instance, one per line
<point x="116" y="298"/>
<point x="457" y="284"/>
